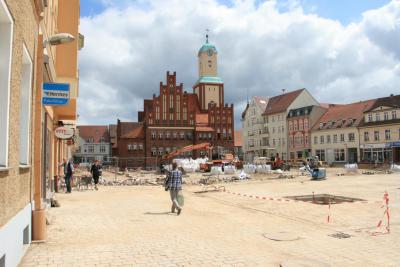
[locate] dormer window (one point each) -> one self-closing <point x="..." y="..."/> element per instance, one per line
<point x="321" y="125"/>
<point x="369" y="117"/>
<point x="350" y="122"/>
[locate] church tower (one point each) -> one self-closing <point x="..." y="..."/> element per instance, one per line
<point x="209" y="87"/>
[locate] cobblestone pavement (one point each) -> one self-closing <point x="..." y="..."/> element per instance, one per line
<point x="131" y="226"/>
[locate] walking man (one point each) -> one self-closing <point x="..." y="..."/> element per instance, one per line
<point x="95" y="171"/>
<point x="174" y="185"/>
<point x="68" y="171"/>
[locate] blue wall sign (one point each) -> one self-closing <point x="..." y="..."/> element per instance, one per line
<point x="55" y="94"/>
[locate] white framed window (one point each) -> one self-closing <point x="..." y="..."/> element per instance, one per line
<point x="352" y="137"/>
<point x="6" y="33"/>
<point x="102" y="149"/>
<point x="366" y="136"/>
<point x="387" y="135"/>
<point x="339" y="155"/>
<point x="25" y="107"/>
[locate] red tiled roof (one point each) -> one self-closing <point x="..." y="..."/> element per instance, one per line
<point x="204" y="129"/>
<point x="238" y="138"/>
<point x="202" y="118"/>
<point x="137" y="132"/>
<point x="281" y="102"/>
<point x="94" y="131"/>
<point x="339" y="115"/>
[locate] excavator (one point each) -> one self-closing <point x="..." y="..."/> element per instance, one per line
<point x="206" y="167"/>
<point x="202" y="146"/>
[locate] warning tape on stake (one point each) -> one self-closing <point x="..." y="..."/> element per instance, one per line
<point x="329" y="217"/>
<point x="289" y="200"/>
<point x="386" y="214"/>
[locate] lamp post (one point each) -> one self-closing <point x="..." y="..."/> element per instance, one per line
<point x="59" y="38"/>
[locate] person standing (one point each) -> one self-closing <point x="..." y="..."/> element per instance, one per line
<point x="68" y="171"/>
<point x="174" y="185"/>
<point x="95" y="171"/>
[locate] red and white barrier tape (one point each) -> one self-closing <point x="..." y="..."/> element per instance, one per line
<point x="329" y="217"/>
<point x="289" y="200"/>
<point x="260" y="197"/>
<point x="385" y="212"/>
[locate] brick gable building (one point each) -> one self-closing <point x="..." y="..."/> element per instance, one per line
<point x="175" y="118"/>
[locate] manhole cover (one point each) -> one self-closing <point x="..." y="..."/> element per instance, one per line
<point x="281" y="236"/>
<point x="324" y="199"/>
<point x="340" y="235"/>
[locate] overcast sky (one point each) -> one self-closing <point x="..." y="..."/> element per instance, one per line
<point x="340" y="52"/>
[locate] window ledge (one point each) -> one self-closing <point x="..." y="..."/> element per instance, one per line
<point x="24" y="167"/>
<point x="4" y="169"/>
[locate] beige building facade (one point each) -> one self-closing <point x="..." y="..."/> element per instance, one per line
<point x="209" y="88"/>
<point x="380" y="132"/>
<point x="335" y="137"/>
<point x="275" y="116"/>
<point x="18" y="42"/>
<point x="254" y="131"/>
<point x="59" y="65"/>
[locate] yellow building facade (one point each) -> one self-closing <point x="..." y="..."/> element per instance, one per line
<point x="29" y="150"/>
<point x="380" y="132"/>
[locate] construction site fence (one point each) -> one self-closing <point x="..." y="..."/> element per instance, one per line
<point x="132" y="163"/>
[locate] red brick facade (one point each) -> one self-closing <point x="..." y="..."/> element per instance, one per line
<point x="300" y="122"/>
<point x="172" y="120"/>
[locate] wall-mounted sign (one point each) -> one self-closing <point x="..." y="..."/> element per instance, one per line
<point x="64" y="132"/>
<point x="55" y="94"/>
<point x="393" y="144"/>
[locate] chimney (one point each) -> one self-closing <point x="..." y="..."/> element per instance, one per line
<point x="283" y="91"/>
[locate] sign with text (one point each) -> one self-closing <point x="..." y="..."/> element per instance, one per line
<point x="64" y="132"/>
<point x="55" y="94"/>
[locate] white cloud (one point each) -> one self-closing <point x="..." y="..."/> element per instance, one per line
<point x="261" y="48"/>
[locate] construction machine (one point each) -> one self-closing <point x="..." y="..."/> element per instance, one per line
<point x="202" y="146"/>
